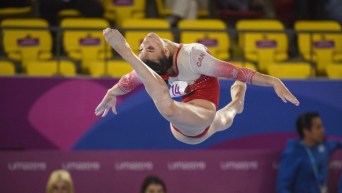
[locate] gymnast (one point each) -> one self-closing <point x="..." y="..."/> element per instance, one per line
<point x="192" y="73"/>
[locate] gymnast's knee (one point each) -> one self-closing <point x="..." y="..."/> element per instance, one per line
<point x="229" y="122"/>
<point x="166" y="109"/>
<point x="222" y="123"/>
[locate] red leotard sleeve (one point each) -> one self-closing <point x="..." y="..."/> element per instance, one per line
<point x="202" y="62"/>
<point x="129" y="82"/>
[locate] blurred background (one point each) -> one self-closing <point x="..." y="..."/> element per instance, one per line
<point x="55" y="67"/>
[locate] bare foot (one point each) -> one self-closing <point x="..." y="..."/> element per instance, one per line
<point x="237" y="92"/>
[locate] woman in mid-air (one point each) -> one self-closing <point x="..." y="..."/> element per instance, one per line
<point x="193" y="74"/>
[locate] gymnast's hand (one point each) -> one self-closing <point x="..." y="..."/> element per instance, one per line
<point x="284" y="93"/>
<point x="109" y="101"/>
<point x="116" y="40"/>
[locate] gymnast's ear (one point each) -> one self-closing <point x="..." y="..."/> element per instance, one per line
<point x="166" y="51"/>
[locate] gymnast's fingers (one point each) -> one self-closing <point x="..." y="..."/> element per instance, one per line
<point x="292" y="99"/>
<point x="105" y="112"/>
<point x="99" y="109"/>
<point x="114" y="110"/>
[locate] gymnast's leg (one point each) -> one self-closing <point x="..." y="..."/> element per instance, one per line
<point x="223" y="118"/>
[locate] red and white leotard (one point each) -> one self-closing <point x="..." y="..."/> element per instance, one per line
<point x="200" y="86"/>
<point x="195" y="66"/>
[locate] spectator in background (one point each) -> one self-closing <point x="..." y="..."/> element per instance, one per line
<point x="15" y="3"/>
<point x="88" y="8"/>
<point x="304" y="163"/>
<point x="232" y="11"/>
<point x="153" y="184"/>
<point x="334" y="10"/>
<point x="309" y="9"/>
<point x="184" y="9"/>
<point x="249" y="5"/>
<point x="318" y="10"/>
<point x="60" y="181"/>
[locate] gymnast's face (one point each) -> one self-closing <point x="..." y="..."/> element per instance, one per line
<point x="152" y="48"/>
<point x="154" y="188"/>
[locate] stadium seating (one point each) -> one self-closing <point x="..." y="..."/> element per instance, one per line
<point x="135" y="37"/>
<point x="24" y="44"/>
<point x="118" y="10"/>
<point x="290" y="70"/>
<point x="212" y="33"/>
<point x="15" y="11"/>
<point x="320" y="45"/>
<point x="263" y="47"/>
<point x="86" y="45"/>
<point x="334" y="71"/>
<point x="244" y="64"/>
<point x="118" y="68"/>
<point x="50" y="68"/>
<point x="69" y="13"/>
<point x="163" y="11"/>
<point x="113" y="68"/>
<point x="6" y="68"/>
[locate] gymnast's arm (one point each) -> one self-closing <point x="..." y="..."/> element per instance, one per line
<point x="203" y="63"/>
<point x="126" y="84"/>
